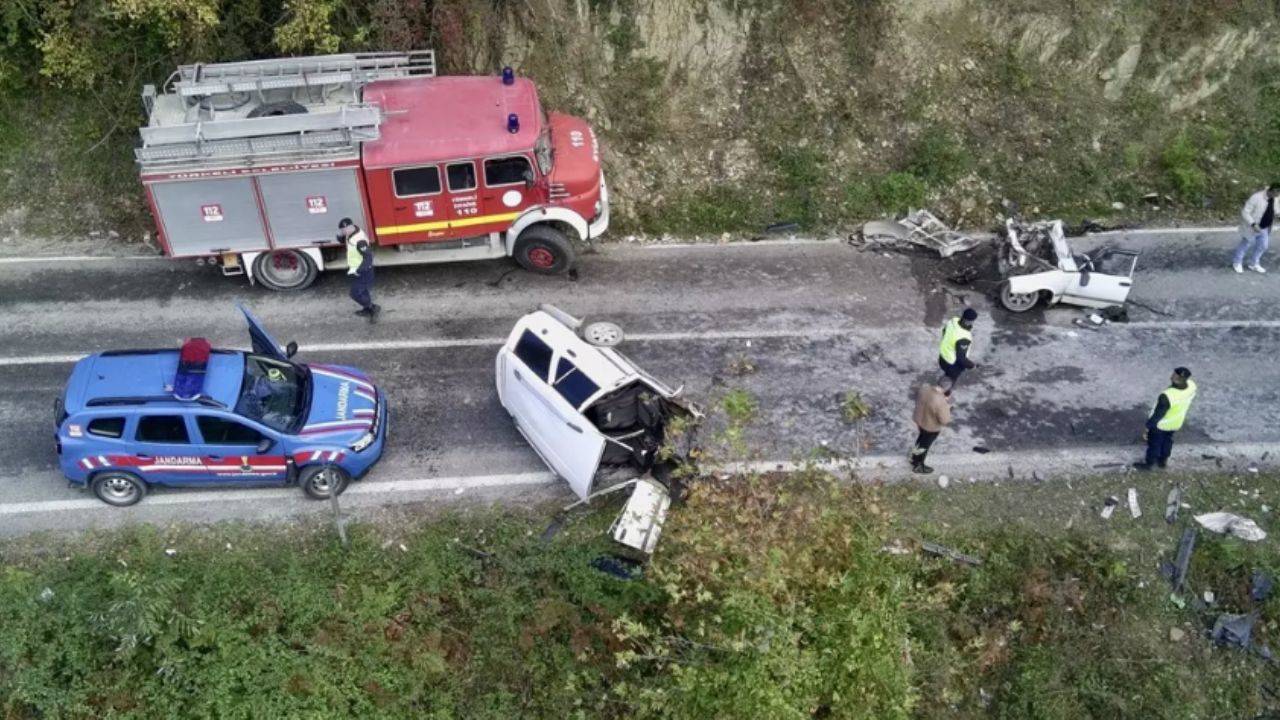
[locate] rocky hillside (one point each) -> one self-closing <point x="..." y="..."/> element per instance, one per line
<point x="727" y="115"/>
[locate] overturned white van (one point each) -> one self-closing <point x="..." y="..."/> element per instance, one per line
<point x="579" y="402"/>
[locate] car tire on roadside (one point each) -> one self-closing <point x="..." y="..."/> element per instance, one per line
<point x="544" y="250"/>
<point x="285" y="270"/>
<point x="315" y="480"/>
<point x="119" y="488"/>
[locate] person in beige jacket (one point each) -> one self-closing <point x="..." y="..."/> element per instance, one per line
<point x="933" y="412"/>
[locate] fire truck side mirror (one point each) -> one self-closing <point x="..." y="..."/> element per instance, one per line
<point x="529" y="177"/>
<point x="291" y="349"/>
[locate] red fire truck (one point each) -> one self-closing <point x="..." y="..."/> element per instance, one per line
<point x="252" y="164"/>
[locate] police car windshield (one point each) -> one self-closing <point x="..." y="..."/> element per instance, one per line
<point x="273" y="393"/>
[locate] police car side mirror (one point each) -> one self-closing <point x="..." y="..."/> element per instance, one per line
<point x="291" y="349"/>
<point x="264" y="445"/>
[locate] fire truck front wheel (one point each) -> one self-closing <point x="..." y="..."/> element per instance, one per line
<point x="544" y="250"/>
<point x="284" y="270"/>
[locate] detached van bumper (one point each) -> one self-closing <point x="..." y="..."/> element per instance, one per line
<point x="601" y="223"/>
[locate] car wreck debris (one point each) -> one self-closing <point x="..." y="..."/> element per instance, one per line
<point x="1231" y="524"/>
<point x="639" y="524"/>
<point x="1171" y="505"/>
<point x="1134" y="510"/>
<point x="943" y="551"/>
<point x="1176" y="571"/>
<point x="1036" y="263"/>
<point x="1109" y="506"/>
<point x="1233" y="630"/>
<point x="919" y="227"/>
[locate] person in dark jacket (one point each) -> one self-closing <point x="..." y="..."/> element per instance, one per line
<point x="1167" y="417"/>
<point x="359" y="267"/>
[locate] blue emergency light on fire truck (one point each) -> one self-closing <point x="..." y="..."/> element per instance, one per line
<point x="252" y="165"/>
<point x="199" y="416"/>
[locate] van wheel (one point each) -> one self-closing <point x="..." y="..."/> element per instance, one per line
<point x="285" y="270"/>
<point x="120" y="489"/>
<point x="1017" y="302"/>
<point x="544" y="250"/>
<point x="316" y="481"/>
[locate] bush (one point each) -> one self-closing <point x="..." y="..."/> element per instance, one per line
<point x="1180" y="162"/>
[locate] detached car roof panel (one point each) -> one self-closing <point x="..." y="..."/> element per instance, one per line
<point x="445" y="118"/>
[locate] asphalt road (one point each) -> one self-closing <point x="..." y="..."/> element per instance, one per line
<point x="815" y="319"/>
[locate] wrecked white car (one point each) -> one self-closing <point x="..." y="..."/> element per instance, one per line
<point x="1037" y="265"/>
<point x="580" y="403"/>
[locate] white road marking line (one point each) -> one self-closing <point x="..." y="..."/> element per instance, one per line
<point x="813" y="333"/>
<point x="79" y="258"/>
<point x="1063" y="460"/>
<point x="1135" y="232"/>
<point x="361" y="489"/>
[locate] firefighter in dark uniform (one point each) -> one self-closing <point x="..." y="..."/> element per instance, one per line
<point x="1167" y="417"/>
<point x="359" y="267"/>
<point x="953" y="351"/>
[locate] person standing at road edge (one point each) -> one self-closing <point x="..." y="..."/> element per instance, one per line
<point x="359" y="267"/>
<point x="933" y="412"/>
<point x="1257" y="218"/>
<point x="957" y="340"/>
<point x="1166" y="419"/>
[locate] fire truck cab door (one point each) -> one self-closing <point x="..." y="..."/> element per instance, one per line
<point x="509" y="187"/>
<point x="419" y="210"/>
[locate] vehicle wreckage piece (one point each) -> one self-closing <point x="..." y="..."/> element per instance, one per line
<point x="1037" y="264"/>
<point x="919" y="227"/>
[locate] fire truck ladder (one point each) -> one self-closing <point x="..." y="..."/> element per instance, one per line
<point x="338" y="128"/>
<point x="356" y="69"/>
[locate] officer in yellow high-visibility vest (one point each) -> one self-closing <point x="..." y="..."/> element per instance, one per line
<point x="359" y="267"/>
<point x="953" y="351"/>
<point x="1167" y="418"/>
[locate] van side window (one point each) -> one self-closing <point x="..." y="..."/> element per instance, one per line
<point x="462" y="176"/>
<point x="534" y="353"/>
<point x="219" y="431"/>
<point x="107" y="427"/>
<point x="417" y="181"/>
<point x="506" y="171"/>
<point x="163" y="429"/>
<point x="572" y="384"/>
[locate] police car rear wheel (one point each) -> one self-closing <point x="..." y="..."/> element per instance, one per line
<point x="119" y="488"/>
<point x="544" y="250"/>
<point x="284" y="270"/>
<point x="318" y="479"/>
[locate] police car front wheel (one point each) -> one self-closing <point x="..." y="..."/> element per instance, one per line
<point x="317" y="480"/>
<point x="119" y="488"/>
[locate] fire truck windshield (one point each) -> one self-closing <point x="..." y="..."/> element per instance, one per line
<point x="542" y="151"/>
<point x="273" y="393"/>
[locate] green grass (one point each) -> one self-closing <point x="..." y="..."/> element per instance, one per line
<point x="769" y="597"/>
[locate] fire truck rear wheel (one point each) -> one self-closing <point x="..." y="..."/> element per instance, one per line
<point x="544" y="250"/>
<point x="285" y="270"/>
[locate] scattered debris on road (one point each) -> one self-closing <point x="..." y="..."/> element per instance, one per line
<point x="1134" y="510"/>
<point x="943" y="551"/>
<point x="1109" y="506"/>
<point x="1176" y="571"/>
<point x="1171" y="505"/>
<point x="919" y="227"/>
<point x="1233" y="630"/>
<point x="1225" y="523"/>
